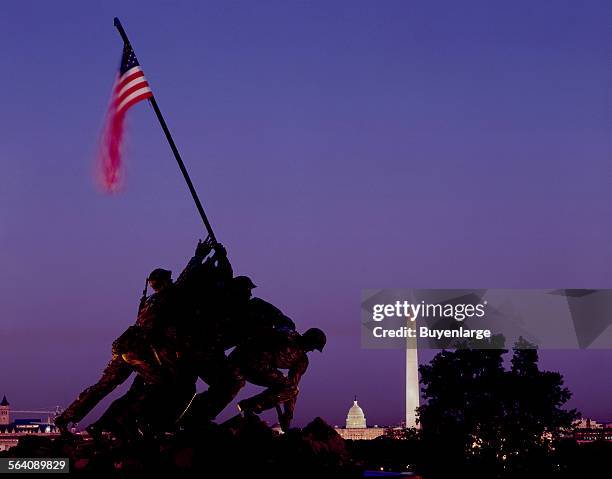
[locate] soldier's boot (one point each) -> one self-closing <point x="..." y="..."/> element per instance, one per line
<point x="284" y="418"/>
<point x="62" y="422"/>
<point x="284" y="422"/>
<point x="115" y="373"/>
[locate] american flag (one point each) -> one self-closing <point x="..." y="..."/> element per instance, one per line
<point x="130" y="88"/>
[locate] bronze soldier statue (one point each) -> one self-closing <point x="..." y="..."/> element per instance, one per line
<point x="252" y="318"/>
<point x="261" y="364"/>
<point x="240" y="320"/>
<point x="149" y="347"/>
<point x="181" y="333"/>
<point x="195" y="342"/>
<point x="204" y="333"/>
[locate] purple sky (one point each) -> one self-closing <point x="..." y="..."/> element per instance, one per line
<point x="336" y="146"/>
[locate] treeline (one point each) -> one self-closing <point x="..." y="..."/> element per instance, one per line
<point x="482" y="419"/>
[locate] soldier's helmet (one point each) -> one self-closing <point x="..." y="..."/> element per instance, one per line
<point x="316" y="338"/>
<point x="243" y="282"/>
<point x="160" y="274"/>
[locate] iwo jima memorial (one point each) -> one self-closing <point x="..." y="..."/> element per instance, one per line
<point x="207" y="325"/>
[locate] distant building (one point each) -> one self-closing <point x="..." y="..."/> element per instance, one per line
<point x="586" y="423"/>
<point x="588" y="430"/>
<point x="11" y="431"/>
<point x="355" y="419"/>
<point x="356" y="426"/>
<point x="5" y="412"/>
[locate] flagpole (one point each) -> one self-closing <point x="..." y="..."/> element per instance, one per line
<point x="173" y="147"/>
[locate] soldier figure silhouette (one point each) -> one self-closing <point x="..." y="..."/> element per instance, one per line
<point x="182" y="332"/>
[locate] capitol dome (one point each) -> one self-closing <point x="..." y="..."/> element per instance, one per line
<point x="355" y="418"/>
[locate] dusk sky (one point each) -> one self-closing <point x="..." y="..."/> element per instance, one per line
<point x="336" y="146"/>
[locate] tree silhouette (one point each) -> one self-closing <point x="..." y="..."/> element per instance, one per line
<point x="482" y="419"/>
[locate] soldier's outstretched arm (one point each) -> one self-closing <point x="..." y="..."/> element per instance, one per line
<point x="217" y="267"/>
<point x="202" y="250"/>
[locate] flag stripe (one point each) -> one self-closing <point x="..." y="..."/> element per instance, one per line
<point x="133" y="98"/>
<point x="128" y="91"/>
<point x="129" y="85"/>
<point x="126" y="79"/>
<point x="131" y="72"/>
